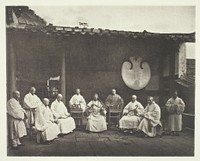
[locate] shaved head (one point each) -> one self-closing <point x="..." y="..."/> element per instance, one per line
<point x="134" y="98"/>
<point x="78" y="91"/>
<point x="16" y="95"/>
<point x="150" y="100"/>
<point x="59" y="97"/>
<point x="32" y="90"/>
<point x="175" y="94"/>
<point x="113" y="91"/>
<point x="46" y="101"/>
<point x="96" y="96"/>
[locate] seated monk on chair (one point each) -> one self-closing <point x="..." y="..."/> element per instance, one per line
<point x="45" y="123"/>
<point x="151" y="119"/>
<point x="77" y="101"/>
<point x="114" y="100"/>
<point x="97" y="116"/>
<point x="131" y="116"/>
<point x="64" y="120"/>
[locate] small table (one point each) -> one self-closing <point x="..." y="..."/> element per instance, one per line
<point x="78" y="115"/>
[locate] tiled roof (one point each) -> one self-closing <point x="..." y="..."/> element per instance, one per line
<point x="69" y="31"/>
<point x="19" y="16"/>
<point x="23" y="18"/>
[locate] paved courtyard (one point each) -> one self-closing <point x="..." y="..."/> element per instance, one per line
<point x="109" y="143"/>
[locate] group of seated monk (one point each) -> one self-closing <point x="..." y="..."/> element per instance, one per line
<point x="56" y="121"/>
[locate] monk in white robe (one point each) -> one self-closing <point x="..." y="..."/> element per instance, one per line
<point x="96" y="121"/>
<point x="175" y="107"/>
<point x="45" y="123"/>
<point x="114" y="101"/>
<point x="151" y="119"/>
<point x="64" y="120"/>
<point x="31" y="102"/>
<point x="77" y="101"/>
<point x="131" y="115"/>
<point x="16" y="116"/>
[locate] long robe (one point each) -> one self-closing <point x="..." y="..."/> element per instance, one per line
<point x="44" y="122"/>
<point x="114" y="101"/>
<point x="31" y="102"/>
<point x="64" y="121"/>
<point x="96" y="120"/>
<point x="16" y="115"/>
<point x="151" y="119"/>
<point x="175" y="108"/>
<point x="132" y="119"/>
<point x="77" y="101"/>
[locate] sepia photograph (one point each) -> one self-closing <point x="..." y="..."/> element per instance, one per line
<point x="100" y="80"/>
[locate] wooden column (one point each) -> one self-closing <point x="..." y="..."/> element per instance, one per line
<point x="11" y="69"/>
<point x="62" y="80"/>
<point x="172" y="71"/>
<point x="161" y="63"/>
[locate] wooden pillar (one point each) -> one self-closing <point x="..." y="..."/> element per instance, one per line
<point x="11" y="69"/>
<point x="172" y="71"/>
<point x="62" y="80"/>
<point x="182" y="60"/>
<point x="161" y="89"/>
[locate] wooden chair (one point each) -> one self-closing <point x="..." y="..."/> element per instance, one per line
<point x="31" y="127"/>
<point x="115" y="113"/>
<point x="78" y="115"/>
<point x="38" y="137"/>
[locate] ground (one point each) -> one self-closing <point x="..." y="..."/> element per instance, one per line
<point x="109" y="143"/>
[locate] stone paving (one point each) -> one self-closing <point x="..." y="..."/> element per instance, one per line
<point x="109" y="143"/>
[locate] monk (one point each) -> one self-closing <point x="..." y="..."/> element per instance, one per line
<point x="31" y="102"/>
<point x="151" y="119"/>
<point x="114" y="100"/>
<point x="175" y="107"/>
<point x="96" y="121"/>
<point x="131" y="116"/>
<point x="64" y="120"/>
<point x="16" y="117"/>
<point x="45" y="123"/>
<point x="77" y="101"/>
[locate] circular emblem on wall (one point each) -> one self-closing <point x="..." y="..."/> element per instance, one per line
<point x="136" y="73"/>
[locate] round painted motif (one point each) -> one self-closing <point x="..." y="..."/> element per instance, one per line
<point x="136" y="74"/>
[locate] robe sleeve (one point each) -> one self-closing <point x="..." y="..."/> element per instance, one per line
<point x="170" y="106"/>
<point x="27" y="103"/>
<point x="140" y="109"/>
<point x="39" y="102"/>
<point x="155" y="114"/>
<point x="126" y="108"/>
<point x="108" y="101"/>
<point x="51" y="115"/>
<point x="65" y="109"/>
<point x="89" y="104"/>
<point x="15" y="111"/>
<point x="181" y="106"/>
<point x="71" y="101"/>
<point x="55" y="114"/>
<point x="83" y="100"/>
<point x="40" y="122"/>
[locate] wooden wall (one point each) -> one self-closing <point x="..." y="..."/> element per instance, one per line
<point x="93" y="63"/>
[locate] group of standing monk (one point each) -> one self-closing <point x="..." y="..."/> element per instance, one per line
<point x="56" y="120"/>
